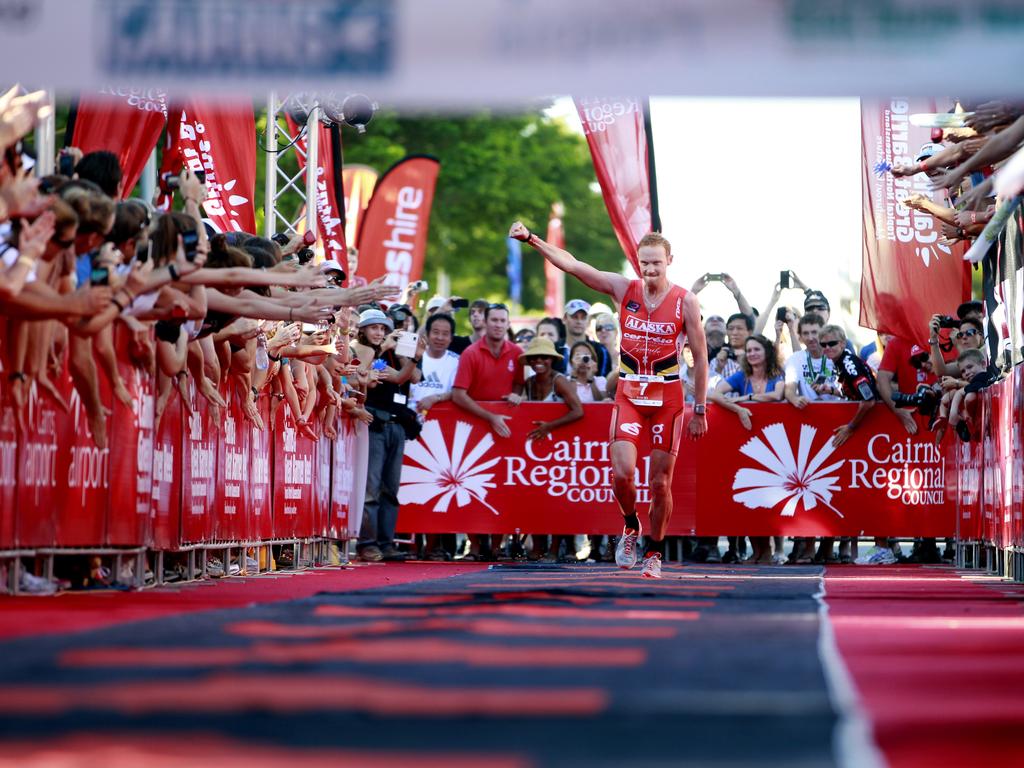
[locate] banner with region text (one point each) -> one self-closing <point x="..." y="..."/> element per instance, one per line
<point x="908" y="273"/>
<point x="782" y="478"/>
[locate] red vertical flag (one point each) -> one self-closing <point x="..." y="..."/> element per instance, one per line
<point x="908" y="275"/>
<point x="328" y="211"/>
<point x="617" y="137"/>
<point x="554" y="292"/>
<point x="220" y="140"/>
<point x="125" y="121"/>
<point x="393" y="240"/>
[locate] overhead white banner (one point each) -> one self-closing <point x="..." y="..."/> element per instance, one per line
<point x="445" y="53"/>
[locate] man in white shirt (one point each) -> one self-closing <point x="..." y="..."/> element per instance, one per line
<point x="810" y="376"/>
<point x="437" y="365"/>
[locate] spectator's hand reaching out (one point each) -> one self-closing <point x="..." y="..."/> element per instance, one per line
<point x="501" y="429"/>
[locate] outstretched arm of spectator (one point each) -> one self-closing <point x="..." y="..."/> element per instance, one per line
<point x="353" y="297"/>
<point x="919" y="202"/>
<point x="606" y="282"/>
<point x="39" y="302"/>
<point x="993" y="113"/>
<point x="497" y="420"/>
<point x="698" y="346"/>
<point x="307" y="277"/>
<point x="263" y="309"/>
<point x="762" y="320"/>
<point x="741" y="301"/>
<point x="884" y="380"/>
<point x="842" y="434"/>
<point x="999" y="147"/>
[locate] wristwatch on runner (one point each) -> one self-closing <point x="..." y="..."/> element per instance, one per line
<point x="700" y="409"/>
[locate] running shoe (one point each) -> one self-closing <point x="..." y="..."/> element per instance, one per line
<point x="877" y="556"/>
<point x="625" y="550"/>
<point x="35" y="585"/>
<point x="652" y="566"/>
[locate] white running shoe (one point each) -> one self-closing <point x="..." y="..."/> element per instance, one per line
<point x="652" y="566"/>
<point x="625" y="550"/>
<point x="36" y="585"/>
<point x="877" y="556"/>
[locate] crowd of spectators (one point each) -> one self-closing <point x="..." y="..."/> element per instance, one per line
<point x="214" y="313"/>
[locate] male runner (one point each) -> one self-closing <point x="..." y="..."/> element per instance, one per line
<point x="654" y="316"/>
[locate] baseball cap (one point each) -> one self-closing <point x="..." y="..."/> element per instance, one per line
<point x="374" y="317"/>
<point x="577" y="305"/>
<point x="331" y="265"/>
<point x="917" y="350"/>
<point x="435" y="303"/>
<point x="599" y="308"/>
<point x="814" y="299"/>
<point x="927" y="150"/>
<point x="969" y="306"/>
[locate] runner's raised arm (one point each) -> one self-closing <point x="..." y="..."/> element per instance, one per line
<point x="606" y="282"/>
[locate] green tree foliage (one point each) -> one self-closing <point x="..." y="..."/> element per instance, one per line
<point x="496" y="169"/>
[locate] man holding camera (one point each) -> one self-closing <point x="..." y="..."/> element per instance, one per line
<point x="654" y="317"/>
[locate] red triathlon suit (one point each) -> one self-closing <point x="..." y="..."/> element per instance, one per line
<point x="649" y="397"/>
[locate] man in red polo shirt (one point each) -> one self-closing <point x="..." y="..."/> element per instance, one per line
<point x="489" y="370"/>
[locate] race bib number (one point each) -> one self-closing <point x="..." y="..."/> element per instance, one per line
<point x="647" y="393"/>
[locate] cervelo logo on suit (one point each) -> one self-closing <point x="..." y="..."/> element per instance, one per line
<point x="440" y="468"/>
<point x="646" y="326"/>
<point x="913" y="473"/>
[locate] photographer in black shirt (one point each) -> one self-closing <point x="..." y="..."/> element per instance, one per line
<point x="855" y="379"/>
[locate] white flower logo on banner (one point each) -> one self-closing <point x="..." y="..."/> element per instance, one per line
<point x="444" y="474"/>
<point x="785" y="477"/>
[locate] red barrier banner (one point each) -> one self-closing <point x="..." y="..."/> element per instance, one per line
<point x="908" y="274"/>
<point x="199" y="482"/>
<point x="294" y="468"/>
<point x="260" y="517"/>
<point x="1001" y="428"/>
<point x="230" y="515"/>
<point x="322" y="486"/>
<point x="393" y="241"/>
<point x="8" y="464"/>
<point x="781" y="478"/>
<point x="342" y="481"/>
<point x="221" y="141"/>
<point x="968" y="468"/>
<point x="168" y="468"/>
<point x="1017" y="470"/>
<point x="125" y="121"/>
<point x="617" y="137"/>
<point x="129" y="520"/>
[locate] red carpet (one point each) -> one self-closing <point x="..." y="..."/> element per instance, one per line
<point x="78" y="611"/>
<point x="938" y="659"/>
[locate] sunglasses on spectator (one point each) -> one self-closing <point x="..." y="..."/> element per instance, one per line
<point x="524" y="337"/>
<point x="497" y="306"/>
<point x="967" y="334"/>
<point x="831" y="344"/>
<point x="606" y="327"/>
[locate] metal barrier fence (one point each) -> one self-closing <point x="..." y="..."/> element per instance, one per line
<point x="989" y="483"/>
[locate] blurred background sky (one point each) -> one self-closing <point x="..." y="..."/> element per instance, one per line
<point x="754" y="186"/>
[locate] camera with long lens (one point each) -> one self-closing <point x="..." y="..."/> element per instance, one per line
<point x="304" y="255"/>
<point x="925" y="399"/>
<point x="945" y="321"/>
